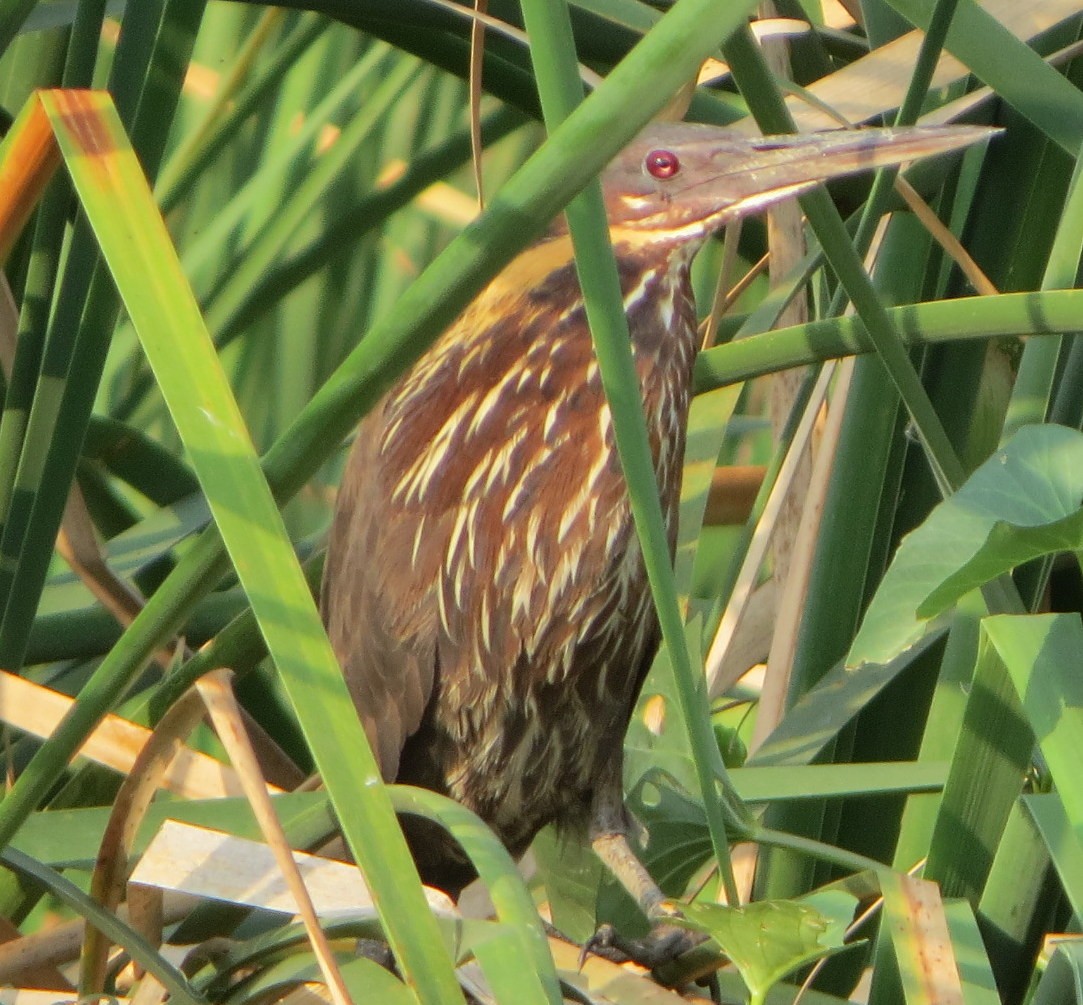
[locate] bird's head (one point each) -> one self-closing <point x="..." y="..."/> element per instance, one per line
<point x="678" y="182"/>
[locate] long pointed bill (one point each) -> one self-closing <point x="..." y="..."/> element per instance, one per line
<point x="777" y="166"/>
<point x="680" y="180"/>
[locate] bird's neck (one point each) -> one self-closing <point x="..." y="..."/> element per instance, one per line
<point x="542" y="284"/>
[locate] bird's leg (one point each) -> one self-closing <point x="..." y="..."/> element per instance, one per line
<point x="609" y="837"/>
<point x="609" y="834"/>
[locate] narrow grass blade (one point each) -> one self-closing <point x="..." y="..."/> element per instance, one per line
<point x="106" y="922"/>
<point x="975" y="976"/>
<point x="1012" y="912"/>
<point x="12" y="16"/>
<point x="1032" y="393"/>
<point x="986" y="777"/>
<point x="771" y="114"/>
<point x="932" y="323"/>
<point x="159" y="301"/>
<point x="942" y="726"/>
<point x="560" y="91"/>
<point x="1014" y="70"/>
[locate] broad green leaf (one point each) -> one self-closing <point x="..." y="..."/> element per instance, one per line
<point x="840" y="696"/>
<point x="1034" y="481"/>
<point x="499" y="950"/>
<point x="1062" y="840"/>
<point x="1062" y="981"/>
<point x="1007" y="546"/>
<point x="767" y="940"/>
<point x="572" y="875"/>
<point x="1041" y="654"/>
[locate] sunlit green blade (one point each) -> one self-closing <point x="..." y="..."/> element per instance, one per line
<point x="498" y="949"/>
<point x="975" y="975"/>
<point x="1040" y="654"/>
<point x="71" y="838"/>
<point x="938" y="321"/>
<point x="986" y="777"/>
<point x="1062" y="980"/>
<point x="81" y="318"/>
<point x="158" y="299"/>
<point x="820" y="781"/>
<point x="1062" y="840"/>
<point x="1010" y="910"/>
<point x="1011" y="68"/>
<point x="510" y="897"/>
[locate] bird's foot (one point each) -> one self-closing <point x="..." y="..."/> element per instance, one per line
<point x="661" y="946"/>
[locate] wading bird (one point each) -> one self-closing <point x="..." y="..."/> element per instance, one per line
<point x="484" y="589"/>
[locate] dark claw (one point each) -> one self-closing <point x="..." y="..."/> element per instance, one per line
<point x="663" y="945"/>
<point x="598" y="944"/>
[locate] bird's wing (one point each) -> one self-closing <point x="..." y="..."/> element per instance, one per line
<point x="377" y="604"/>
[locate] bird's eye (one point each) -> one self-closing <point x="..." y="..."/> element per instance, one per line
<point x="662" y="164"/>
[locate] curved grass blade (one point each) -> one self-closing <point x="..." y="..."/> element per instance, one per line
<point x="141" y="951"/>
<point x="159" y="301"/>
<point x="554" y="54"/>
<point x="514" y="906"/>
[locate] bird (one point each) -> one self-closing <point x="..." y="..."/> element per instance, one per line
<point x="484" y="590"/>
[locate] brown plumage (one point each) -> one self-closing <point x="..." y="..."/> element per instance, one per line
<point x="484" y="588"/>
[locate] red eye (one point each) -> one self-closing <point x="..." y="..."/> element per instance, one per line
<point x="662" y="164"/>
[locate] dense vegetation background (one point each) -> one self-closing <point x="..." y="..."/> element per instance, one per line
<point x="902" y="777"/>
